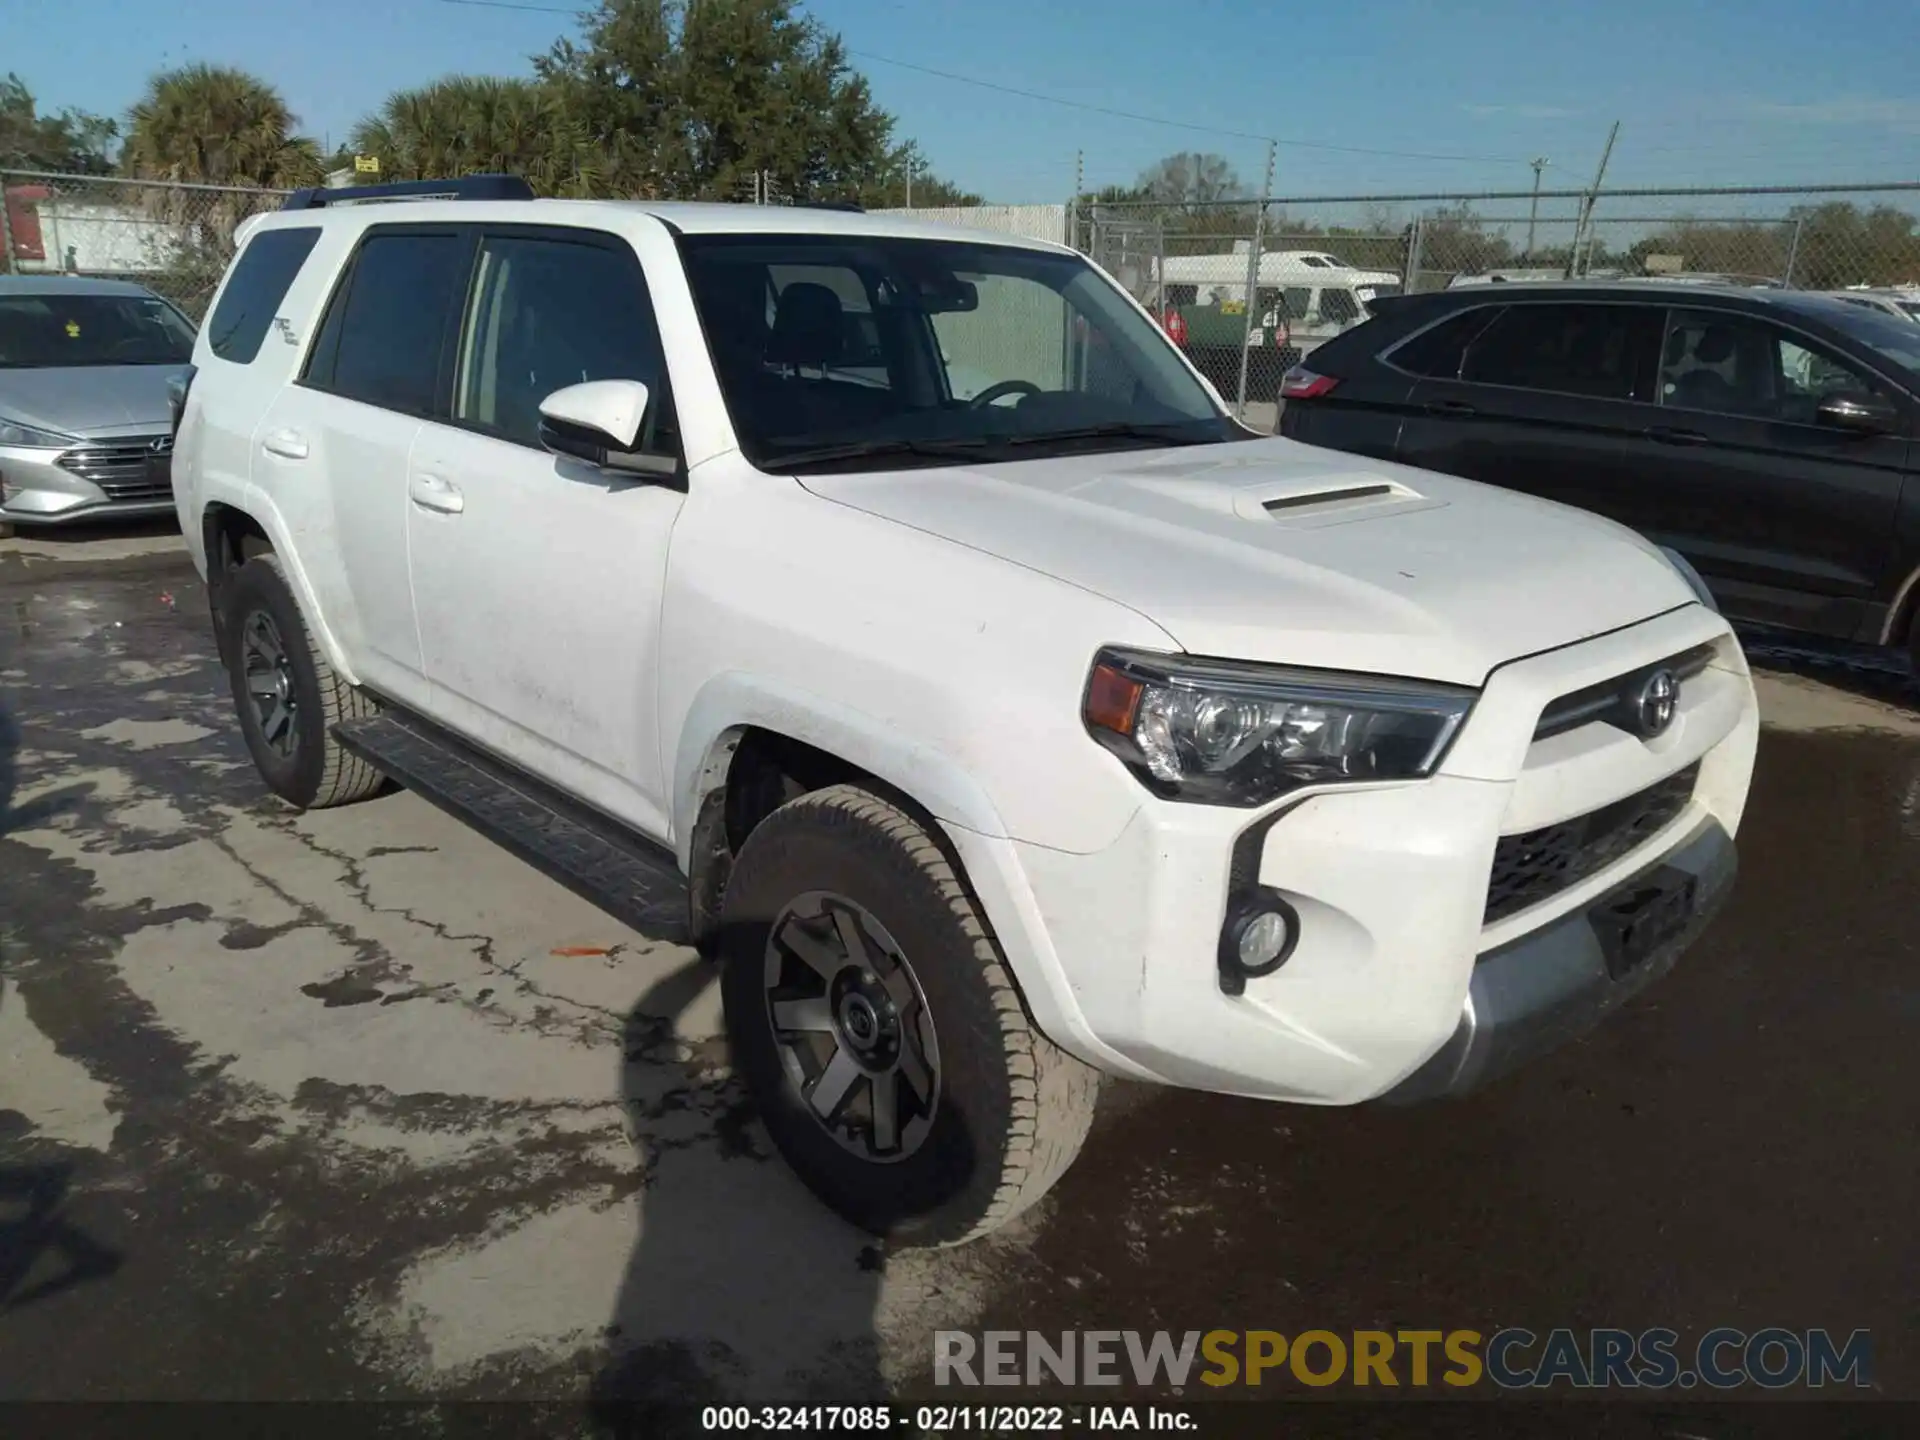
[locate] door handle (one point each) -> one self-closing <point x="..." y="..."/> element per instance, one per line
<point x="287" y="444"/>
<point x="432" y="492"/>
<point x="1450" y="407"/>
<point x="1668" y="435"/>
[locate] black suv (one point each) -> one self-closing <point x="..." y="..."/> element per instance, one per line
<point x="1767" y="435"/>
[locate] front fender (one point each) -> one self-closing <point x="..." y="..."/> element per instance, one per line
<point x="734" y="700"/>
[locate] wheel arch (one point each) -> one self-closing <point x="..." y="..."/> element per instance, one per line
<point x="231" y="534"/>
<point x="746" y="748"/>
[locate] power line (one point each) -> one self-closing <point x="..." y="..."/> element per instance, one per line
<point x="1092" y="109"/>
<point x="1163" y="120"/>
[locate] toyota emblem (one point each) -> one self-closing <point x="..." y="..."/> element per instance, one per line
<point x="1653" y="707"/>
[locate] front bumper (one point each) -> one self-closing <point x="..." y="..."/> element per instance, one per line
<point x="1391" y="885"/>
<point x="1534" y="994"/>
<point x="36" y="489"/>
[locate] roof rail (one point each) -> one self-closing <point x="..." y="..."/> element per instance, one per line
<point x="850" y="206"/>
<point x="467" y="187"/>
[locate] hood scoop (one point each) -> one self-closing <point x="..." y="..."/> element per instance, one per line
<point x="1312" y="502"/>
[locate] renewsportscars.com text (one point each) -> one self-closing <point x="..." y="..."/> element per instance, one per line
<point x="1512" y="1358"/>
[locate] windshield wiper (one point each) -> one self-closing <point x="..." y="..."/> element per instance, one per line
<point x="870" y="449"/>
<point x="1170" y="433"/>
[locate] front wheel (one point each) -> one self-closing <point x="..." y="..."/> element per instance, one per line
<point x="875" y="1023"/>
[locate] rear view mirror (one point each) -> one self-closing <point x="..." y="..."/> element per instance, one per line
<point x="602" y="422"/>
<point x="1860" y="412"/>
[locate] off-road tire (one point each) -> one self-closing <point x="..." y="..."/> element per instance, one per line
<point x="1013" y="1108"/>
<point x="318" y="773"/>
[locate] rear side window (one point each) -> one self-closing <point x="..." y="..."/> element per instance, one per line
<point x="261" y="278"/>
<point x="1438" y="351"/>
<point x="386" y="330"/>
<point x="1605" y="352"/>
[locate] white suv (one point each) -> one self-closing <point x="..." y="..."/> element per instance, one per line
<point x="991" y="741"/>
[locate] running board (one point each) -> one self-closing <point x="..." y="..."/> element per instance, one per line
<point x="632" y="879"/>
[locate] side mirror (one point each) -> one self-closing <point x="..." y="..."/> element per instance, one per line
<point x="602" y="422"/>
<point x="1864" y="414"/>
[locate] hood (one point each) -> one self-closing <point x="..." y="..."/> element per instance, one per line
<point x="89" y="400"/>
<point x="1273" y="551"/>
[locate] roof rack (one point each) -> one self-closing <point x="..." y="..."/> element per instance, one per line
<point x="466" y="187"/>
<point x="848" y="205"/>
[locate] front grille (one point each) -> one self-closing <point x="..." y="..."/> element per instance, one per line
<point x="136" y="469"/>
<point x="1532" y="867"/>
<point x="1613" y="700"/>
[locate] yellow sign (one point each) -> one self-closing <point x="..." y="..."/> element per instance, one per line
<point x="73" y="329"/>
<point x="366" y="164"/>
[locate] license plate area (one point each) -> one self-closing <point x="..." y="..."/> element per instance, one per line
<point x="1637" y="920"/>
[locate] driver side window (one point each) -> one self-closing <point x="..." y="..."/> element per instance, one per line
<point x="1730" y="364"/>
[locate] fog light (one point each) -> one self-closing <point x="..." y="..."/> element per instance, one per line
<point x="1261" y="931"/>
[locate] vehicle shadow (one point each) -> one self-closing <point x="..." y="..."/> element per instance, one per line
<point x="39" y="809"/>
<point x="741" y="1286"/>
<point x="34" y="1229"/>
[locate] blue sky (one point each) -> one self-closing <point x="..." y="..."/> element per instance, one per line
<point x="1767" y="91"/>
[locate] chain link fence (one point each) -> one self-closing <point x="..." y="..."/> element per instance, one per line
<point x="1248" y="289"/>
<point x="1322" y="261"/>
<point x="175" y="239"/>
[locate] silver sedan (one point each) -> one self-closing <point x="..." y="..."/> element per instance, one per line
<point x="85" y="425"/>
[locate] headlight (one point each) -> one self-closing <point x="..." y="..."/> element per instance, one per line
<point x="1229" y="734"/>
<point x="1692" y="577"/>
<point x="12" y="432"/>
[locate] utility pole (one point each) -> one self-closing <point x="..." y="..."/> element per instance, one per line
<point x="1586" y="205"/>
<point x="1540" y="163"/>
<point x="1253" y="280"/>
<point x="913" y="161"/>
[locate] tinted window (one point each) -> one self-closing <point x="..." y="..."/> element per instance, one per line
<point x="1733" y="365"/>
<point x="1603" y="351"/>
<point x="547" y="314"/>
<point x="81" y="330"/>
<point x="383" y="338"/>
<point x="1438" y="351"/>
<point x="1299" y="300"/>
<point x="260" y="281"/>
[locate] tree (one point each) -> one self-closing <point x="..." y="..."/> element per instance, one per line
<point x="217" y="126"/>
<point x="1192" y="179"/>
<point x="469" y="125"/>
<point x="72" y="142"/>
<point x="695" y="99"/>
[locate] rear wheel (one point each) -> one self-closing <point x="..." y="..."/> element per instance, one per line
<point x="874" y="1021"/>
<point x="288" y="696"/>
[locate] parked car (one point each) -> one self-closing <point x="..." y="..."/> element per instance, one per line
<point x="1766" y="435"/>
<point x="990" y="743"/>
<point x="84" y="421"/>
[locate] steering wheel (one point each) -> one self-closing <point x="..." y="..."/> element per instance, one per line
<point x="1000" y="391"/>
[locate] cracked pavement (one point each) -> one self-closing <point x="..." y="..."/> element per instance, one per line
<point x="354" y="1104"/>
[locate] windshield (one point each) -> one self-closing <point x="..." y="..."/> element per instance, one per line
<point x="1897" y="339"/>
<point x="833" y="351"/>
<point x="52" y="330"/>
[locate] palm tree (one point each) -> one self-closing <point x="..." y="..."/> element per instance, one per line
<point x="207" y="125"/>
<point x="471" y="124"/>
<point x="216" y="126"/>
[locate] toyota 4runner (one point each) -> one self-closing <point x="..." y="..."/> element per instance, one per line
<point x="894" y="613"/>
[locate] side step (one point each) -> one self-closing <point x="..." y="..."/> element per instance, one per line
<point x="632" y="879"/>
